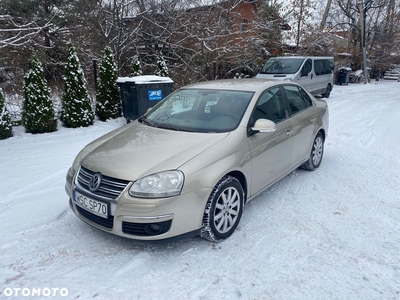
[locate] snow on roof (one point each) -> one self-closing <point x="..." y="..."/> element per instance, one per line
<point x="345" y="54"/>
<point x="145" y="79"/>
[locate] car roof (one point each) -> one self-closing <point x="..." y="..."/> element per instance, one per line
<point x="302" y="57"/>
<point x="245" y="84"/>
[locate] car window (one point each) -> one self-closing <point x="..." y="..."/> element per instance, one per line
<point x="181" y="102"/>
<point x="200" y="110"/>
<point x="298" y="98"/>
<point x="269" y="106"/>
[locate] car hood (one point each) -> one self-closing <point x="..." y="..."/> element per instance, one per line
<point x="141" y="150"/>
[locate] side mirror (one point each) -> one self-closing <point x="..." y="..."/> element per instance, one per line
<point x="264" y="125"/>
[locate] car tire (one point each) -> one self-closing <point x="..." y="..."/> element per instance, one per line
<point x="317" y="152"/>
<point x="327" y="91"/>
<point x="223" y="210"/>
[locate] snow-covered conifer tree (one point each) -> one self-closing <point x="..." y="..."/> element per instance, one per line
<point x="108" y="102"/>
<point x="37" y="111"/>
<point x="161" y="68"/>
<point x="76" y="106"/>
<point x="5" y="119"/>
<point x="136" y="69"/>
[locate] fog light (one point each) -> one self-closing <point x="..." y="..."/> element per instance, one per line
<point x="153" y="229"/>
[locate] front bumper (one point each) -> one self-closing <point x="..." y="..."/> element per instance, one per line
<point x="147" y="219"/>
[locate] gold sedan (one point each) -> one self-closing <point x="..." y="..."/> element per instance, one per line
<point x="188" y="166"/>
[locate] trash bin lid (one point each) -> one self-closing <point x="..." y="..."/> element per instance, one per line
<point x="145" y="79"/>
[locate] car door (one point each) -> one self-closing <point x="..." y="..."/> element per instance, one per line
<point x="307" y="78"/>
<point x="270" y="152"/>
<point x="303" y="117"/>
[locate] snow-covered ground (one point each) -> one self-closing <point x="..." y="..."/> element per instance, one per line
<point x="329" y="234"/>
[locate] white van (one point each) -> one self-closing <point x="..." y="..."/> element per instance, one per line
<point x="314" y="73"/>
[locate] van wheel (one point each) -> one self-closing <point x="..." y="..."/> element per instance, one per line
<point x="327" y="91"/>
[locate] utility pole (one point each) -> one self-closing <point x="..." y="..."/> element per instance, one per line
<point x="362" y="26"/>
<point x="325" y="15"/>
<point x="363" y="7"/>
<point x="299" y="24"/>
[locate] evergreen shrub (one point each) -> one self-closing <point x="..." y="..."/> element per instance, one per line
<point x="108" y="102"/>
<point x="37" y="110"/>
<point x="161" y="66"/>
<point x="76" y="109"/>
<point x="5" y="119"/>
<point x="136" y="69"/>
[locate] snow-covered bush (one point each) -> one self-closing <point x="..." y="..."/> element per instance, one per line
<point x="76" y="108"/>
<point x="136" y="69"/>
<point x="37" y="109"/>
<point x="161" y="67"/>
<point x="5" y="119"/>
<point x="108" y="102"/>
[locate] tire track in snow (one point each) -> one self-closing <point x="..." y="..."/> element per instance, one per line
<point x="49" y="181"/>
<point x="373" y="190"/>
<point x="138" y="262"/>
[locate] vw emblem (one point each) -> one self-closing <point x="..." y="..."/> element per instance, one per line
<point x="94" y="182"/>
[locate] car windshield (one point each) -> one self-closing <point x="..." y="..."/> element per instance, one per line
<point x="282" y="66"/>
<point x="199" y="110"/>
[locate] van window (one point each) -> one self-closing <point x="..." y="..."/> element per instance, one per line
<point x="323" y="67"/>
<point x="306" y="68"/>
<point x="298" y="99"/>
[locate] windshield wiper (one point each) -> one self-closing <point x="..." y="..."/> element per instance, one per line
<point x="175" y="128"/>
<point x="143" y="120"/>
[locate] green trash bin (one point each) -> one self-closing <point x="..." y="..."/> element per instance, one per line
<point x="139" y="93"/>
<point x="343" y="75"/>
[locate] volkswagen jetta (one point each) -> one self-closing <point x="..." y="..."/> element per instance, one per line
<point x="190" y="164"/>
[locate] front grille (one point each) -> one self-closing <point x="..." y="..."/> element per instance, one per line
<point x="108" y="223"/>
<point x="145" y="229"/>
<point x="110" y="187"/>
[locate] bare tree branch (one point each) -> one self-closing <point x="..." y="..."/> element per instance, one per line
<point x="18" y="35"/>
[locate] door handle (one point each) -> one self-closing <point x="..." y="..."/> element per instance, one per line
<point x="289" y="132"/>
<point x="312" y="119"/>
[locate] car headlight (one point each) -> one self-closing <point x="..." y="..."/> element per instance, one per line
<point x="164" y="184"/>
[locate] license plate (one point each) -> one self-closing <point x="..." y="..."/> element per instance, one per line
<point x="96" y="207"/>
